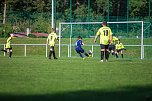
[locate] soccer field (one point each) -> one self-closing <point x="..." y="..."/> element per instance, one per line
<point x="72" y="79"/>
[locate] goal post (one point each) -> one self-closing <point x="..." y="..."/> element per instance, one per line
<point x="69" y="29"/>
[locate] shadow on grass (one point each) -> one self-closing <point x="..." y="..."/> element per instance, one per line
<point x="139" y="93"/>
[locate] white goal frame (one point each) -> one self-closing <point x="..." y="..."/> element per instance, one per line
<point x="121" y="22"/>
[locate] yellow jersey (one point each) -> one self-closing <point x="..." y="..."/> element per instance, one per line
<point x="51" y="39"/>
<point x="104" y="33"/>
<point x="8" y="44"/>
<point x="119" y="46"/>
<point x="114" y="39"/>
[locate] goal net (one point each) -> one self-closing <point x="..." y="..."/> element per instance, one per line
<point x="130" y="33"/>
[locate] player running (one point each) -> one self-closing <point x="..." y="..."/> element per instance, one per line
<point x="8" y="47"/>
<point x="105" y="34"/>
<point x="79" y="49"/>
<point x="51" y="41"/>
<point x="119" y="48"/>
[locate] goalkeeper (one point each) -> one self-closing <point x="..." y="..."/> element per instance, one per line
<point x="119" y="49"/>
<point x="8" y="47"/>
<point x="113" y="45"/>
<point x="79" y="49"/>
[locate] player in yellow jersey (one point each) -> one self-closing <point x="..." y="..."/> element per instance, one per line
<point x="119" y="48"/>
<point x="8" y="47"/>
<point x="105" y="34"/>
<point x="113" y="45"/>
<point x="51" y="41"/>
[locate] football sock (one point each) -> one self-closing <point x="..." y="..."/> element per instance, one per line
<point x="50" y="54"/>
<point x="116" y="55"/>
<point x="4" y="50"/>
<point x="102" y="55"/>
<point x="106" y="55"/>
<point x="10" y="55"/>
<point x="113" y="53"/>
<point x="86" y="54"/>
<point x="81" y="55"/>
<point x="54" y="55"/>
<point x="122" y="55"/>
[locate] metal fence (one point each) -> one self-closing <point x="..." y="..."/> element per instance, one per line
<point x="67" y="53"/>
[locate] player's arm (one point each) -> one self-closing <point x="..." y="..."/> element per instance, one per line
<point x="56" y="37"/>
<point x="82" y="43"/>
<point x="47" y="40"/>
<point x="122" y="47"/>
<point x="97" y="34"/>
<point x="111" y="41"/>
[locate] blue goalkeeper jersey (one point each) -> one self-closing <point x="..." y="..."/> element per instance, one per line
<point x="78" y="44"/>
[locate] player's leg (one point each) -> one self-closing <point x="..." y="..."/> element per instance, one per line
<point x="117" y="51"/>
<point x="110" y="48"/>
<point x="51" y="52"/>
<point x="79" y="51"/>
<point x="102" y="51"/>
<point x="122" y="55"/>
<point x="113" y="50"/>
<point x="82" y="51"/>
<point x="80" y="54"/>
<point x="4" y="50"/>
<point x="106" y="52"/>
<point x="10" y="52"/>
<point x="54" y="55"/>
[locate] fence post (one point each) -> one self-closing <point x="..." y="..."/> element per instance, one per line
<point x="68" y="51"/>
<point x="92" y="50"/>
<point x="4" y="48"/>
<point x="25" y="50"/>
<point x="46" y="49"/>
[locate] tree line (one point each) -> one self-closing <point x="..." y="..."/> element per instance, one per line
<point x="37" y="13"/>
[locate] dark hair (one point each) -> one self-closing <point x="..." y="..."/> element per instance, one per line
<point x="53" y="30"/>
<point x="79" y="37"/>
<point x="104" y="23"/>
<point x="113" y="34"/>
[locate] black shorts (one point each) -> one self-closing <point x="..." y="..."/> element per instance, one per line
<point x="79" y="50"/>
<point x="111" y="47"/>
<point x="118" y="50"/>
<point x="52" y="48"/>
<point x="102" y="46"/>
<point x="9" y="48"/>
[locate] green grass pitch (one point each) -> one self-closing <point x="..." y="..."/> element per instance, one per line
<point x="36" y="78"/>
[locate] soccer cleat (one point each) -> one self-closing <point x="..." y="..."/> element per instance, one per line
<point x="55" y="58"/>
<point x="101" y="60"/>
<point x="89" y="55"/>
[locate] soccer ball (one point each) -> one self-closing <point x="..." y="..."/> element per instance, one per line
<point x="90" y="53"/>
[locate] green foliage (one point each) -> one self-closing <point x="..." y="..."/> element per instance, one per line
<point x="7" y="29"/>
<point x="32" y="36"/>
<point x="41" y="25"/>
<point x="36" y="13"/>
<point x="138" y="7"/>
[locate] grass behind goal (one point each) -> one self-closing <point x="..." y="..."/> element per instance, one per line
<point x="36" y="78"/>
<point x="133" y="52"/>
